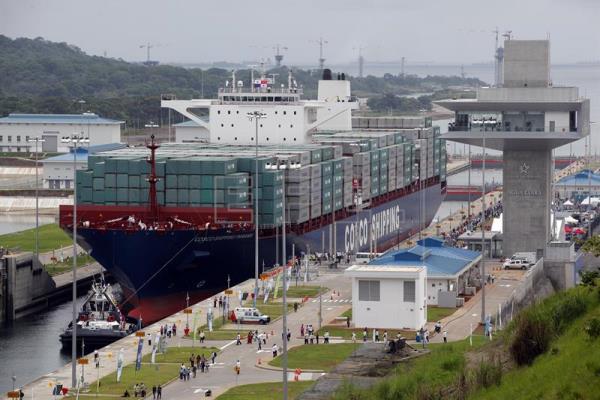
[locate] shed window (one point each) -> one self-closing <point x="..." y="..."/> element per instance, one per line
<point x="409" y="291"/>
<point x="368" y="290"/>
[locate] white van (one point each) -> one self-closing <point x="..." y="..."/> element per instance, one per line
<point x="250" y="315"/>
<point x="365" y="258"/>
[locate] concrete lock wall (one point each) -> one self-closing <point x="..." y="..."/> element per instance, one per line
<point x="23" y="281"/>
<point x="526" y="198"/>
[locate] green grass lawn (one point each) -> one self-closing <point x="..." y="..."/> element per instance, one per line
<point x="346" y="333"/>
<point x="265" y="391"/>
<point x="178" y="355"/>
<point x="321" y="357"/>
<point x="158" y="374"/>
<point x="67" y="264"/>
<point x="51" y="237"/>
<point x="303" y="291"/>
<point x="435" y="314"/>
<point x="347" y="313"/>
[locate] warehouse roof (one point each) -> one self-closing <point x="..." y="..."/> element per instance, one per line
<point x="82" y="153"/>
<point x="73" y="119"/>
<point x="582" y="178"/>
<point x="440" y="260"/>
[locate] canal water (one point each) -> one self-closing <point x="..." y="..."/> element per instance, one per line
<point x="30" y="346"/>
<point x="15" y="222"/>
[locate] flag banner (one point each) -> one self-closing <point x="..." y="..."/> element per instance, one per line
<point x="119" y="365"/>
<point x="138" y="358"/>
<point x="194" y="324"/>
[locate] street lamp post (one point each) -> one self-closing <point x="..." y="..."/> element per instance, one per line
<point x="37" y="140"/>
<point x="256" y="116"/>
<point x="74" y="141"/>
<point x="483" y="231"/>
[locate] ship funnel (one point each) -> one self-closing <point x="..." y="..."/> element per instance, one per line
<point x="326" y="74"/>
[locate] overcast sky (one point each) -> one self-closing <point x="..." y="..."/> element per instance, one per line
<point x="200" y="31"/>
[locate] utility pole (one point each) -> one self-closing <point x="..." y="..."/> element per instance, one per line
<point x="75" y="141"/>
<point x="361" y="61"/>
<point x="483" y="231"/>
<point x="256" y="115"/>
<point x="37" y="140"/>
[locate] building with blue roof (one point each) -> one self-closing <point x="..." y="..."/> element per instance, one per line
<point x="451" y="271"/>
<point x="191" y="131"/>
<point x="16" y="130"/>
<point x="58" y="170"/>
<point x="579" y="185"/>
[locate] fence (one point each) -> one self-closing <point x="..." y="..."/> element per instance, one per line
<point x="521" y="296"/>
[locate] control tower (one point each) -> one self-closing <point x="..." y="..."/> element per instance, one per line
<point x="526" y="117"/>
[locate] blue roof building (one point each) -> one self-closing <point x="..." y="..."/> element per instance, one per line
<point x="449" y="269"/>
<point x="69" y="119"/>
<point x="579" y="185"/>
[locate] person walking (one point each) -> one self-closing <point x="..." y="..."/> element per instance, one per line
<point x="377" y="336"/>
<point x="295" y="306"/>
<point x="238" y="340"/>
<point x="213" y="356"/>
<point x="302" y="330"/>
<point x="275" y="350"/>
<point x="347" y="322"/>
<point x="326" y="337"/>
<point x="445" y="336"/>
<point x="365" y="335"/>
<point x="154" y="392"/>
<point x="385" y="337"/>
<point x="202" y="336"/>
<point x="159" y="392"/>
<point x="96" y="358"/>
<point x="238" y="367"/>
<point x="353" y="337"/>
<point x="174" y="329"/>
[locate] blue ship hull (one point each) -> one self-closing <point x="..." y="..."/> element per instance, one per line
<point x="157" y="270"/>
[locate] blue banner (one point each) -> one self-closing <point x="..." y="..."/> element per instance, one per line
<point x="138" y="359"/>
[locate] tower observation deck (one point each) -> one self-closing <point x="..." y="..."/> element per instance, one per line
<point x="526" y="117"/>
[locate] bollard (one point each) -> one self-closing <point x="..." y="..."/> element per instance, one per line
<point x="259" y="362"/>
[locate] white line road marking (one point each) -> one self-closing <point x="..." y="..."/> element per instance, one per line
<point x="473" y="315"/>
<point x="329" y="309"/>
<point x="227" y="345"/>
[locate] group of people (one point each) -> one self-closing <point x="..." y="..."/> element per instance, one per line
<point x="197" y="362"/>
<point x="470" y="224"/>
<point x="139" y="390"/>
<point x="168" y="330"/>
<point x="253" y="336"/>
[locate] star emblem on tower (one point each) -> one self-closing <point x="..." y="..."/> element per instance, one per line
<point x="524" y="169"/>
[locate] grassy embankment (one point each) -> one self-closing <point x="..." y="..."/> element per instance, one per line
<point x="545" y="353"/>
<point x="51" y="237"/>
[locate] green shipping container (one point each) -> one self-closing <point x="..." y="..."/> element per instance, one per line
<point x="122" y="180"/>
<point x="110" y="181"/>
<point x="98" y="184"/>
<point x="134" y="181"/>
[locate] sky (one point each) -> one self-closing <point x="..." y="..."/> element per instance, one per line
<point x="204" y="31"/>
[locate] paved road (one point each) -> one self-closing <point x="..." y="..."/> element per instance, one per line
<point x="222" y="377"/>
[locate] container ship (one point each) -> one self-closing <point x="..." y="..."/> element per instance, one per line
<point x="176" y="222"/>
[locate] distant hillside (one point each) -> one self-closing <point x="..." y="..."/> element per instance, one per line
<point x="37" y="75"/>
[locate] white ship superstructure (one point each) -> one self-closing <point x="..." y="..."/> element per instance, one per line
<point x="286" y="119"/>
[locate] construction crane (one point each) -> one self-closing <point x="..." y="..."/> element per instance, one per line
<point x="148" y="46"/>
<point x="361" y="60"/>
<point x="321" y="42"/>
<point x="278" y="56"/>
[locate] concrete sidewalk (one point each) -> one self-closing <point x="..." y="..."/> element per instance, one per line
<point x="221" y="375"/>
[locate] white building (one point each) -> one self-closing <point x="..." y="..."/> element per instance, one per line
<point x="17" y="129"/>
<point x="58" y="171"/>
<point x="388" y="296"/>
<point x="191" y="131"/>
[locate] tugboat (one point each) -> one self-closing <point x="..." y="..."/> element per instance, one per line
<point x="100" y="322"/>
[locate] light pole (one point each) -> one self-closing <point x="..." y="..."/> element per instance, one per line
<point x="36" y="139"/>
<point x="256" y="116"/>
<point x="284" y="297"/>
<point x="483" y="230"/>
<point x="74" y="141"/>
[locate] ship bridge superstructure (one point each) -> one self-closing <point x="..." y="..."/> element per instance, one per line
<point x="287" y="118"/>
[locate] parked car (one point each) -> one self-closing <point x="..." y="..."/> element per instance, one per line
<point x="517" y="263"/>
<point x="251" y="315"/>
